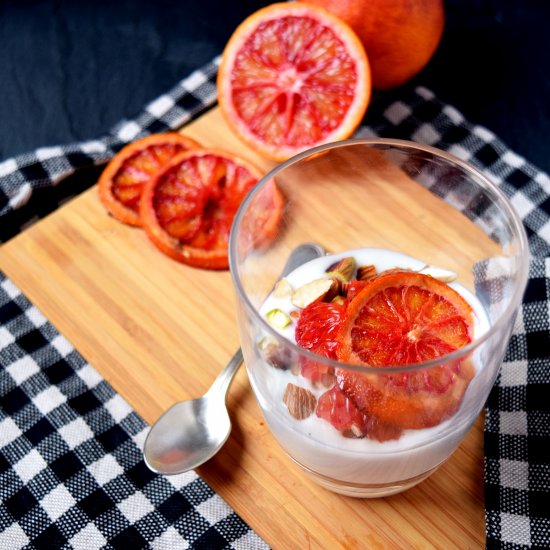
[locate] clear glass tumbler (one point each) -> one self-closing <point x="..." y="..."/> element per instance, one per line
<point x="407" y="206"/>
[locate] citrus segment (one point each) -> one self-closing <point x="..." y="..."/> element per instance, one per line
<point x="188" y="207"/>
<point x="337" y="409"/>
<point x="121" y="183"/>
<point x="317" y="330"/>
<point x="399" y="319"/>
<point x="293" y="76"/>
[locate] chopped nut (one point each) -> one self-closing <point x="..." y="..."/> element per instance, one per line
<point x="282" y="289"/>
<point x="315" y="291"/>
<point x="343" y="269"/>
<point x="443" y="275"/>
<point x="299" y="401"/>
<point x="354" y="432"/>
<point x="278" y="318"/>
<point x="275" y="354"/>
<point x="295" y="314"/>
<point x="397" y="270"/>
<point x="366" y="272"/>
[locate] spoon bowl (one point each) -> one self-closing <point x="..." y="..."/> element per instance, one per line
<point x="191" y="432"/>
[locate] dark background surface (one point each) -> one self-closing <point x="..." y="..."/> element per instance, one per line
<point x="70" y="70"/>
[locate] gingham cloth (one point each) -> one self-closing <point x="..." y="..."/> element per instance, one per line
<point x="70" y="459"/>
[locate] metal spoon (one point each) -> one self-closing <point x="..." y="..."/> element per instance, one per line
<point x="191" y="432"/>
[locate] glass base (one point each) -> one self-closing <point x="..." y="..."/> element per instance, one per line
<point x="364" y="490"/>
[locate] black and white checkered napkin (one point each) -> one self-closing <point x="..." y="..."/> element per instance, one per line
<point x="71" y="468"/>
<point x="70" y="464"/>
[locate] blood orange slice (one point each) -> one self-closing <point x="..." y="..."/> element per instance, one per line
<point x="293" y="76"/>
<point x="187" y="209"/>
<point x="121" y="183"/>
<point x="398" y="319"/>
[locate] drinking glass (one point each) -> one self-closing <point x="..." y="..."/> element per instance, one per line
<point x="399" y="199"/>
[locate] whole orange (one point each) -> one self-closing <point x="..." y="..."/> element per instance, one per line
<point x="399" y="36"/>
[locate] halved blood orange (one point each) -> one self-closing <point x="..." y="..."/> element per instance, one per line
<point x="188" y="207"/>
<point x="293" y="76"/>
<point x="121" y="183"/>
<point x="403" y="318"/>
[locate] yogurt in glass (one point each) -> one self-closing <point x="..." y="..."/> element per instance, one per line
<point x="340" y="462"/>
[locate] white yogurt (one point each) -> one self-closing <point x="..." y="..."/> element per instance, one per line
<point x="315" y="443"/>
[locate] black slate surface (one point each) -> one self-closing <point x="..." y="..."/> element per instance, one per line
<point x="69" y="70"/>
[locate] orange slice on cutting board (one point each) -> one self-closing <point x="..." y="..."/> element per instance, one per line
<point x="187" y="209"/>
<point x="122" y="181"/>
<point x="293" y="76"/>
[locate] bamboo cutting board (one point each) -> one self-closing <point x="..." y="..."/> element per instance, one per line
<point x="159" y="332"/>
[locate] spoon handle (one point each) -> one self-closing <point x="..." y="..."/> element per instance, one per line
<point x="300" y="255"/>
<point x="224" y="379"/>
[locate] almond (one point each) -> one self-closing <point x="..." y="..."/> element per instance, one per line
<point x="275" y="355"/>
<point x="443" y="275"/>
<point x="366" y="272"/>
<point x="299" y="401"/>
<point x="282" y="289"/>
<point x="315" y="291"/>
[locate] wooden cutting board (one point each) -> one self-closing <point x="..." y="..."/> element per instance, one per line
<point x="159" y="332"/>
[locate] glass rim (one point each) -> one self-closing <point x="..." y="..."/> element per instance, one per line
<point x="516" y="223"/>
